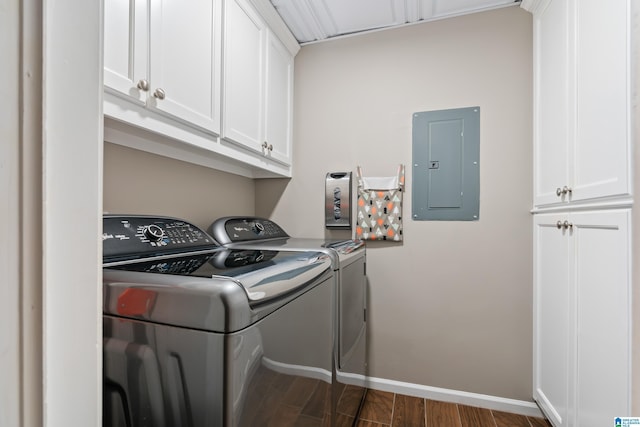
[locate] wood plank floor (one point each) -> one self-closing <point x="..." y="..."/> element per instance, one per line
<point x="383" y="409"/>
<point x="279" y="400"/>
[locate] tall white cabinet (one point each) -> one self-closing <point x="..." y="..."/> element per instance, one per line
<point x="582" y="210"/>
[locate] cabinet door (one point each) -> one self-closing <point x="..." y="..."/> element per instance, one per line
<point x="125" y="47"/>
<point x="582" y="100"/>
<point x="185" y="61"/>
<point x="244" y="68"/>
<point x="551" y="116"/>
<point x="602" y="256"/>
<point x="552" y="318"/>
<point x="279" y="95"/>
<point x="602" y="141"/>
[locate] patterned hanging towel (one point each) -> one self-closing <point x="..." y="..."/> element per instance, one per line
<point x="379" y="214"/>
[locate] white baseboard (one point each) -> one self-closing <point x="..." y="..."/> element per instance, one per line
<point x="455" y="396"/>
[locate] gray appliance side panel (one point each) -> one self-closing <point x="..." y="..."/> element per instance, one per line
<point x="352" y="332"/>
<point x="161" y="376"/>
<point x="164" y="376"/>
<point x="351" y="320"/>
<point x="284" y="363"/>
<point x="446" y="165"/>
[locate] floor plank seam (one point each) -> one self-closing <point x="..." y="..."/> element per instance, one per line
<point x="399" y="414"/>
<point x="393" y="407"/>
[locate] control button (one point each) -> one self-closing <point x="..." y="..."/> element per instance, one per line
<point x="154" y="233"/>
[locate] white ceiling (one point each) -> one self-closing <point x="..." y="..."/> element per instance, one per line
<point x="316" y="20"/>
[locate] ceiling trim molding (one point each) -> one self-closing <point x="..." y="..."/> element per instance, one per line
<point x="426" y="9"/>
<point x="314" y="21"/>
<point x="322" y="16"/>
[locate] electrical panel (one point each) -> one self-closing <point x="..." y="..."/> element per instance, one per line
<point x="446" y="165"/>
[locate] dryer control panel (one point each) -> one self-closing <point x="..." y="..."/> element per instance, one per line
<point x="133" y="237"/>
<point x="242" y="229"/>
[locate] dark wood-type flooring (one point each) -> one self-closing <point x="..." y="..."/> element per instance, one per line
<point x="383" y="409"/>
<point x="278" y="400"/>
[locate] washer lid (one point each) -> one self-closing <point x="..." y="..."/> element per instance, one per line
<point x="263" y="274"/>
<point x="167" y="270"/>
<point x="221" y="290"/>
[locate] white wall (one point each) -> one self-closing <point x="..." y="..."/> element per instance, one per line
<point x="10" y="351"/>
<point x="635" y="129"/>
<point x="136" y="182"/>
<point x="71" y="174"/>
<point x="51" y="117"/>
<point x="451" y="306"/>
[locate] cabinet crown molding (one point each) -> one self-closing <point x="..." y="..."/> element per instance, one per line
<point x="277" y="25"/>
<point x="532" y="5"/>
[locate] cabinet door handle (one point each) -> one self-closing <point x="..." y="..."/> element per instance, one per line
<point x="564" y="225"/>
<point x="159" y="93"/>
<point x="563" y="191"/>
<point x="143" y="85"/>
<point x="266" y="146"/>
<point x="567" y="224"/>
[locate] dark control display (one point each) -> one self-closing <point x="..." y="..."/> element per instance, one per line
<point x="234" y="229"/>
<point x="131" y="237"/>
<point x="241" y="258"/>
<point x="183" y="266"/>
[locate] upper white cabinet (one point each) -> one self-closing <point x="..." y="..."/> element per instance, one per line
<point x="169" y="91"/>
<point x="582" y="101"/>
<point x="258" y="84"/>
<point x="279" y="100"/>
<point x="245" y="36"/>
<point x="166" y="55"/>
<point x="582" y="317"/>
<point x="126" y="35"/>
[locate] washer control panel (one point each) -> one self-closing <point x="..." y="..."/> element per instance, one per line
<point x="242" y="229"/>
<point x="131" y="237"/>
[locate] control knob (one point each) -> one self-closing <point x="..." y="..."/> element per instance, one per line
<point x="257" y="228"/>
<point x="154" y="233"/>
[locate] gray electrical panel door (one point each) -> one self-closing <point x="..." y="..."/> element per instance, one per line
<point x="446" y="165"/>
